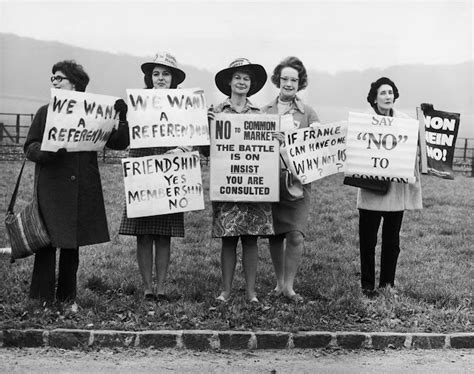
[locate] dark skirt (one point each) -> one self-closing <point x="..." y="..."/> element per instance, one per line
<point x="292" y="215"/>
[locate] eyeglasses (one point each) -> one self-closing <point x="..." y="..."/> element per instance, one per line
<point x="292" y="80"/>
<point x="58" y="78"/>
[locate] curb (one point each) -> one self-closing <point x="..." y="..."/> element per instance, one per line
<point x="230" y="340"/>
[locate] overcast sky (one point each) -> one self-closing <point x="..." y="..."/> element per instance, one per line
<point x="327" y="35"/>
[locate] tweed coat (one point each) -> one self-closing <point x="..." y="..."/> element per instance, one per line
<point x="69" y="188"/>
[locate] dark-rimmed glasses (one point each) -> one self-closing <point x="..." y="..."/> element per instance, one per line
<point x="58" y="78"/>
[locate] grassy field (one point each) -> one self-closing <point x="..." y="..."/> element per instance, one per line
<point x="434" y="276"/>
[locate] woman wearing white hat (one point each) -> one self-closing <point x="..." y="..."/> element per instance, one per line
<point x="161" y="73"/>
<point x="232" y="220"/>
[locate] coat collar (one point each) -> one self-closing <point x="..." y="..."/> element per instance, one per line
<point x="296" y="104"/>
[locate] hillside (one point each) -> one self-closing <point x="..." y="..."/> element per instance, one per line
<point x="25" y="68"/>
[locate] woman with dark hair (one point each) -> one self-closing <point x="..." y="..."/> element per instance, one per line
<point x="290" y="217"/>
<point x="155" y="231"/>
<point x="234" y="220"/>
<point x="69" y="195"/>
<point x="374" y="206"/>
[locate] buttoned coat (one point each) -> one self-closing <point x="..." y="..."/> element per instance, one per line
<point x="69" y="188"/>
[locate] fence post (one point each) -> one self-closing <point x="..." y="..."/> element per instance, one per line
<point x="465" y="149"/>
<point x="17" y="129"/>
<point x="103" y="155"/>
<point x="1" y="131"/>
<point x="472" y="162"/>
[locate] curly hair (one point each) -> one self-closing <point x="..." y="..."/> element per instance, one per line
<point x="295" y="63"/>
<point x="149" y="80"/>
<point x="372" y="95"/>
<point x="74" y="72"/>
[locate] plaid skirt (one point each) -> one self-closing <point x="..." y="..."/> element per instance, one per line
<point x="166" y="224"/>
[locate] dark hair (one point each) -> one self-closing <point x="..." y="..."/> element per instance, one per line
<point x="74" y="72"/>
<point x="374" y="88"/>
<point x="149" y="81"/>
<point x="244" y="70"/>
<point x="295" y="63"/>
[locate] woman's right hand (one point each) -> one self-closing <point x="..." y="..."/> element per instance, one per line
<point x="121" y="108"/>
<point x="280" y="136"/>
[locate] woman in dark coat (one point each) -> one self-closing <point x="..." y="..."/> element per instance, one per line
<point x="69" y="195"/>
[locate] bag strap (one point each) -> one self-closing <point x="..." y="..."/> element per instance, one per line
<point x="284" y="163"/>
<point x="15" y="192"/>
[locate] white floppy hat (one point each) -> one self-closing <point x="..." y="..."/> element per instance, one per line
<point x="165" y="59"/>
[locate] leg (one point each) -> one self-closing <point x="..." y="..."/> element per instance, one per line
<point x="293" y="252"/>
<point x="145" y="260"/>
<point x="392" y="223"/>
<point x="228" y="261"/>
<point x="43" y="279"/>
<point x="277" y="254"/>
<point x="250" y="262"/>
<point x="67" y="278"/>
<point x="369" y="222"/>
<point x="162" y="261"/>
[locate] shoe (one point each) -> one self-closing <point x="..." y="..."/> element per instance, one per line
<point x="296" y="298"/>
<point x="274" y="294"/>
<point x="254" y="301"/>
<point x="162" y="297"/>
<point x="371" y="294"/>
<point x="150" y="297"/>
<point x="222" y="299"/>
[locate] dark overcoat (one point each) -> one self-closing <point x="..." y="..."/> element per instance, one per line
<point x="69" y="188"/>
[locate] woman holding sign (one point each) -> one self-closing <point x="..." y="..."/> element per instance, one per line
<point x="69" y="195"/>
<point x="155" y="231"/>
<point x="234" y="220"/>
<point x="373" y="206"/>
<point x="290" y="217"/>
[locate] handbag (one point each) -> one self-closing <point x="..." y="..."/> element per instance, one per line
<point x="291" y="188"/>
<point x="379" y="186"/>
<point x="26" y="229"/>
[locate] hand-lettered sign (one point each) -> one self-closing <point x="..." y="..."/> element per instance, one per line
<point x="244" y="158"/>
<point x="78" y="121"/>
<point x="382" y="148"/>
<point x="168" y="117"/>
<point x="316" y="152"/>
<point x="163" y="184"/>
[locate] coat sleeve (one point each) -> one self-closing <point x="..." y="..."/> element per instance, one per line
<point x="312" y="116"/>
<point x="32" y="147"/>
<point x="119" y="138"/>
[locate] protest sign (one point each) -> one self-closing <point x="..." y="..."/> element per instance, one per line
<point x="167" y="118"/>
<point x="162" y="184"/>
<point x="316" y="152"/>
<point x="381" y="148"/>
<point x="78" y="121"/>
<point x="244" y="158"/>
<point x="441" y="131"/>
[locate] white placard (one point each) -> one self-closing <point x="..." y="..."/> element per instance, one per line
<point x="381" y="147"/>
<point x="163" y="184"/>
<point x="78" y="121"/>
<point x="167" y="118"/>
<point x="244" y="158"/>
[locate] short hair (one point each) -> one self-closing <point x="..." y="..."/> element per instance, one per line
<point x="149" y="80"/>
<point x="374" y="86"/>
<point x="295" y="63"/>
<point x="74" y="72"/>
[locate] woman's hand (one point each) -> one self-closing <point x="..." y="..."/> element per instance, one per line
<point x="280" y="136"/>
<point x="210" y="114"/>
<point x="121" y="108"/>
<point x="315" y="124"/>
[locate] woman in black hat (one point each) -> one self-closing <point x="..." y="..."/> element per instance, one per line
<point x="234" y="220"/>
<point x="290" y="217"/>
<point x="155" y="231"/>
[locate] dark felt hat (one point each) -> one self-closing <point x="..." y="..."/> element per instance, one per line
<point x="224" y="76"/>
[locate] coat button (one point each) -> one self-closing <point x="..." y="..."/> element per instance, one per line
<point x="73" y="177"/>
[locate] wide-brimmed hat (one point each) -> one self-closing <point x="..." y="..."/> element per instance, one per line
<point x="224" y="76"/>
<point x="165" y="59"/>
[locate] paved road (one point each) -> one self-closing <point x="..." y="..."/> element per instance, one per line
<point x="281" y="361"/>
